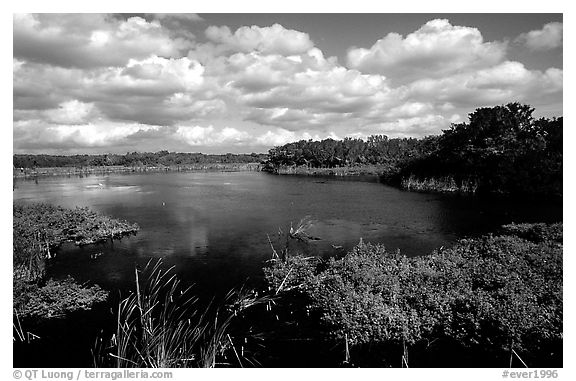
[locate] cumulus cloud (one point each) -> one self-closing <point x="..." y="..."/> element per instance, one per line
<point x="91" y="40"/>
<point x="409" y="109"/>
<point x="308" y="88"/>
<point x="115" y="83"/>
<point x="547" y="38"/>
<point x="71" y="112"/>
<point x="410" y="126"/>
<point x="181" y="73"/>
<point x="274" y="39"/>
<point x="202" y="136"/>
<point x="508" y="81"/>
<point x="437" y="49"/>
<point x="281" y="136"/>
<point x="150" y="91"/>
<point x="32" y="134"/>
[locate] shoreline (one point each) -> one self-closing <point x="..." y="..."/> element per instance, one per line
<point x="31" y="173"/>
<point x="360" y="170"/>
<point x="386" y="175"/>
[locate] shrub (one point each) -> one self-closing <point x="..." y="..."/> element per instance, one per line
<point x="535" y="232"/>
<point x="496" y="292"/>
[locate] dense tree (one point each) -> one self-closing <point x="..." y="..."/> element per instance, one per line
<point x="377" y="149"/>
<point x="501" y="149"/>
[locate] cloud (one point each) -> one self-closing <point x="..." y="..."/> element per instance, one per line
<point x="91" y="40"/>
<point x="193" y="17"/>
<point x="281" y="136"/>
<point x="32" y="134"/>
<point x="71" y="112"/>
<point x="177" y="25"/>
<point x="409" y="109"/>
<point x="506" y="82"/>
<point x="40" y="87"/>
<point x="547" y="38"/>
<point x="113" y="83"/>
<point x="274" y="39"/>
<point x="150" y="91"/>
<point x="181" y="73"/>
<point x="435" y="50"/>
<point x="202" y="136"/>
<point x="294" y="91"/>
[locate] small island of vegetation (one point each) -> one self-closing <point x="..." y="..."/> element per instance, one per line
<point x="38" y="230"/>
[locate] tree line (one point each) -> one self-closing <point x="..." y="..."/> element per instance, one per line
<point x="329" y="153"/>
<point x="132" y="159"/>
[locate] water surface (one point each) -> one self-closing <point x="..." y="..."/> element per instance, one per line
<point x="214" y="226"/>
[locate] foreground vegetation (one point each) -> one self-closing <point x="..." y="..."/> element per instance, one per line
<point x="501" y="150"/>
<point x="38" y="231"/>
<point x="161" y="325"/>
<point x="496" y="298"/>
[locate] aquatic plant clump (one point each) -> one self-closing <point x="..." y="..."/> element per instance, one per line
<point x="80" y="225"/>
<point x="54" y="299"/>
<point x="38" y="230"/>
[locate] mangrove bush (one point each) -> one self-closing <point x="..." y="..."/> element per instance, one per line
<point x="495" y="294"/>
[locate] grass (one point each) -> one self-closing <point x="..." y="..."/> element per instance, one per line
<point x="32" y="173"/>
<point x="442" y="185"/>
<point x="19" y="334"/>
<point x="161" y="325"/>
<point x="358" y="170"/>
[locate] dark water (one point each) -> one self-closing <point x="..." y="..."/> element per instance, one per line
<point x="213" y="226"/>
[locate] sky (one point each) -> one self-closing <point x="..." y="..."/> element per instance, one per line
<point x="242" y="83"/>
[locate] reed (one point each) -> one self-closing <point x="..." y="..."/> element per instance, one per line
<point x="35" y="173"/>
<point x="439" y="184"/>
<point x="19" y="334"/>
<point x="161" y="325"/>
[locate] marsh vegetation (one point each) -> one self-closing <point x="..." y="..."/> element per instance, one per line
<point x="38" y="230"/>
<point x="489" y="301"/>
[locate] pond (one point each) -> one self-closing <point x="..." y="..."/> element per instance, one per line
<point x="214" y="226"/>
